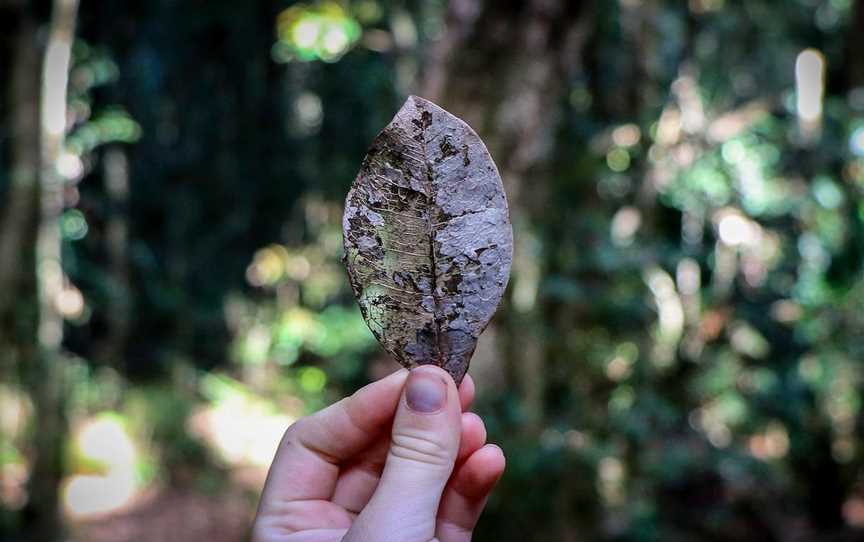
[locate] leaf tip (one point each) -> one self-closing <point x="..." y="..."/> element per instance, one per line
<point x="419" y="103"/>
<point x="417" y="100"/>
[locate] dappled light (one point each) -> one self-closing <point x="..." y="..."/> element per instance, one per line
<point x="244" y="429"/>
<point x="102" y="446"/>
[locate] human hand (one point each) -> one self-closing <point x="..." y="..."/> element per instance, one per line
<point x="345" y="474"/>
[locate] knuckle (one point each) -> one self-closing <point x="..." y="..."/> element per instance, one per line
<point x="420" y="447"/>
<point x="292" y="436"/>
<point x="294" y="430"/>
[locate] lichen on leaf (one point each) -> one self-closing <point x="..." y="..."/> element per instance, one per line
<point x="428" y="241"/>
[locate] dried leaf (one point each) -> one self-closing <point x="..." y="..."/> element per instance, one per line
<point x="428" y="241"/>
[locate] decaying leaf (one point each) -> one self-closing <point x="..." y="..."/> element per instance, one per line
<point x="428" y="241"/>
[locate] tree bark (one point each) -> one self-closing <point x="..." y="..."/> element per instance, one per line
<point x="19" y="217"/>
<point x="503" y="67"/>
<point x="18" y="309"/>
<point x="45" y="375"/>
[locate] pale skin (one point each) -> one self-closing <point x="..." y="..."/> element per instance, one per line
<point x="401" y="460"/>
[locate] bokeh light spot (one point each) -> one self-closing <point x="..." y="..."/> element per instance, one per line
<point x="70" y="166"/>
<point x="103" y="442"/>
<point x="312" y="379"/>
<point x="73" y="225"/>
<point x="734" y="229"/>
<point x="856" y="141"/>
<point x="809" y="84"/>
<point x="322" y="31"/>
<point x="618" y="159"/>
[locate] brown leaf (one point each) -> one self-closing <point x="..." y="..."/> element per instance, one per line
<point x="428" y="242"/>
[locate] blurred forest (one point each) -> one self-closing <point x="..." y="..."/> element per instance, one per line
<point x="679" y="354"/>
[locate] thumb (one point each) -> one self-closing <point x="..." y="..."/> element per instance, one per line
<point x="425" y="442"/>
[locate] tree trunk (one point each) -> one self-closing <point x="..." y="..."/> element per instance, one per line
<point x="45" y="375"/>
<point x="116" y="176"/>
<point x="19" y="217"/>
<point x="503" y="67"/>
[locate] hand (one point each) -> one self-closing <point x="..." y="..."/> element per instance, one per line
<point x="344" y="474"/>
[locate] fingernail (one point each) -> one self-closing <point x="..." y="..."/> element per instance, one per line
<point x="425" y="392"/>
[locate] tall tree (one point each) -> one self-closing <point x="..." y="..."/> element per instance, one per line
<point x="116" y="180"/>
<point x="19" y="215"/>
<point x="503" y="67"/>
<point x="31" y="238"/>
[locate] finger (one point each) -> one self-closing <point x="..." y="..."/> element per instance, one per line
<point x="306" y="465"/>
<point x="425" y="443"/>
<point x="466" y="392"/>
<point x="466" y="494"/>
<point x="358" y="480"/>
<point x="473" y="436"/>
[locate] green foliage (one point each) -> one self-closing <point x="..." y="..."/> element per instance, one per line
<point x="320" y="32"/>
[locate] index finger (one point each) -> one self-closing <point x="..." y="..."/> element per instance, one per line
<point x="306" y="465"/>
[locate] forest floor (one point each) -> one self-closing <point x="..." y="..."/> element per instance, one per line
<point x="172" y="515"/>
